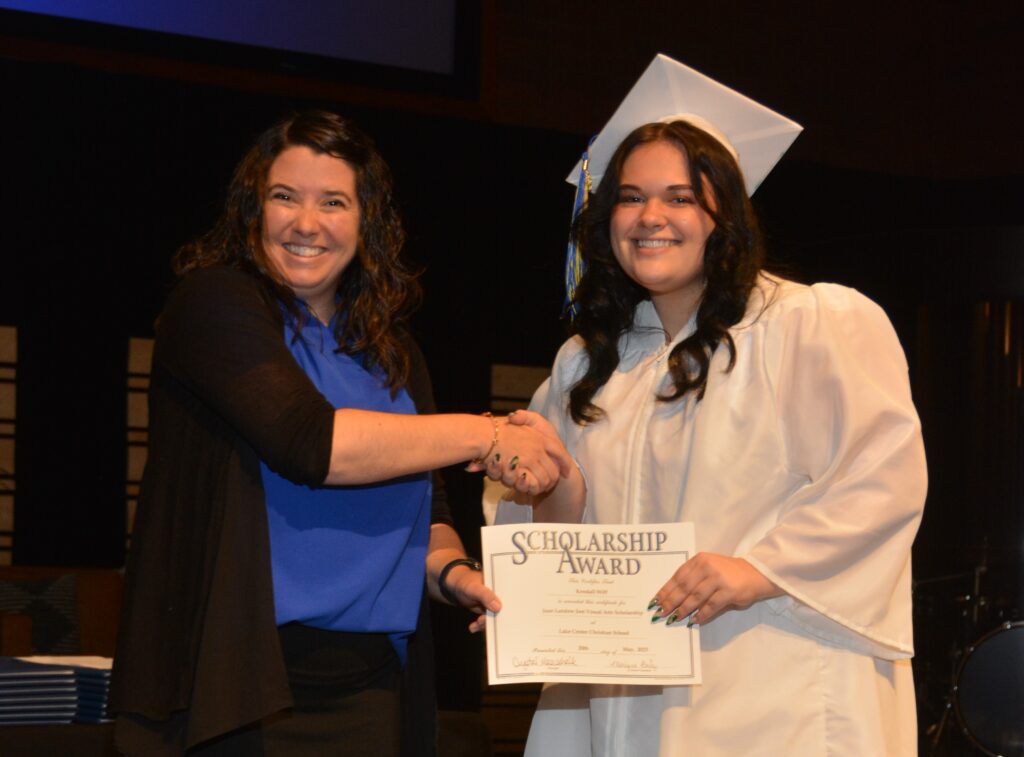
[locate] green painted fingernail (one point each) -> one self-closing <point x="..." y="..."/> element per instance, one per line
<point x="653" y="603"/>
<point x="672" y="618"/>
<point x="656" y="617"/>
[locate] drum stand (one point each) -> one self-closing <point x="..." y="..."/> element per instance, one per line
<point x="971" y="609"/>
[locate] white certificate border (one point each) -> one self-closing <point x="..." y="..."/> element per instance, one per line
<point x="678" y="679"/>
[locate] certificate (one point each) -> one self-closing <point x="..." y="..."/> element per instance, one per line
<point x="574" y="604"/>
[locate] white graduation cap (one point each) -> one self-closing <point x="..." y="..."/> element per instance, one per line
<point x="670" y="91"/>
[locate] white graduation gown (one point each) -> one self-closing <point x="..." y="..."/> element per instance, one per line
<point x="805" y="459"/>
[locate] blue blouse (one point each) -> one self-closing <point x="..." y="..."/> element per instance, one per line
<point x="348" y="558"/>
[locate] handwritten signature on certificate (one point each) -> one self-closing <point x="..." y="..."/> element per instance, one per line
<point x="575" y="604"/>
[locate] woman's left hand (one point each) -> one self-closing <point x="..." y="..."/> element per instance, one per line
<point x="707" y="585"/>
<point x="469" y="588"/>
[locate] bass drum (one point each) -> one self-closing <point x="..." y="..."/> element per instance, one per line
<point x="989" y="691"/>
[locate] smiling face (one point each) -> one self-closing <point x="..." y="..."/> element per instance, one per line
<point x="658" y="231"/>
<point x="311" y="223"/>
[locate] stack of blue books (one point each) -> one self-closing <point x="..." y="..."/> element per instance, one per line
<point x="40" y="690"/>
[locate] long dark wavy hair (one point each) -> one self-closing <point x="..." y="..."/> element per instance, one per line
<point x="733" y="257"/>
<point x="378" y="289"/>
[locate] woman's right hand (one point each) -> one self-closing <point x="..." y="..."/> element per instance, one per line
<point x="565" y="502"/>
<point x="529" y="457"/>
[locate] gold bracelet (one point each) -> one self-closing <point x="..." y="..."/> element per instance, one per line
<point x="494" y="442"/>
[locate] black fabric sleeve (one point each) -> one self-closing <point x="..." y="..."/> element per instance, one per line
<point x="421" y="390"/>
<point x="223" y="340"/>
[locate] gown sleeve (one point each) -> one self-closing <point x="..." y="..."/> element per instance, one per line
<point x="223" y="340"/>
<point x="550" y="401"/>
<point x="841" y="546"/>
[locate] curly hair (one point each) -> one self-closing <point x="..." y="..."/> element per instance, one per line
<point x="378" y="289"/>
<point x="607" y="298"/>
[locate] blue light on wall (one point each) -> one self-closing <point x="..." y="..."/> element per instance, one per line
<point x="410" y="34"/>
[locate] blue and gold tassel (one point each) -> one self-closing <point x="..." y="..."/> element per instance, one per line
<point x="574" y="265"/>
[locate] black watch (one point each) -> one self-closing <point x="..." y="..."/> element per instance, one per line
<point x="442" y="577"/>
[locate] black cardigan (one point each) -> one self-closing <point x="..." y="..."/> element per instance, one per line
<point x="198" y="650"/>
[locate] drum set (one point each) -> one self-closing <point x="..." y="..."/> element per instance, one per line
<point x="983" y="702"/>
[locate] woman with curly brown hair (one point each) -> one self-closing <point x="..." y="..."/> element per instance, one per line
<point x="775" y="417"/>
<point x="286" y="520"/>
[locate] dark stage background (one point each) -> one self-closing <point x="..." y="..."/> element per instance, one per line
<point x="113" y="159"/>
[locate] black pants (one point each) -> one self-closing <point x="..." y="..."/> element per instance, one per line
<point x="346" y="692"/>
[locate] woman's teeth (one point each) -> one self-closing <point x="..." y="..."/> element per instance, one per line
<point x="654" y="242"/>
<point x="302" y="251"/>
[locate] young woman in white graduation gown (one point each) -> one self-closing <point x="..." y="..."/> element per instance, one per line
<point x="778" y="419"/>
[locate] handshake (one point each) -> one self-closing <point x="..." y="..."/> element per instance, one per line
<point x="526" y="454"/>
